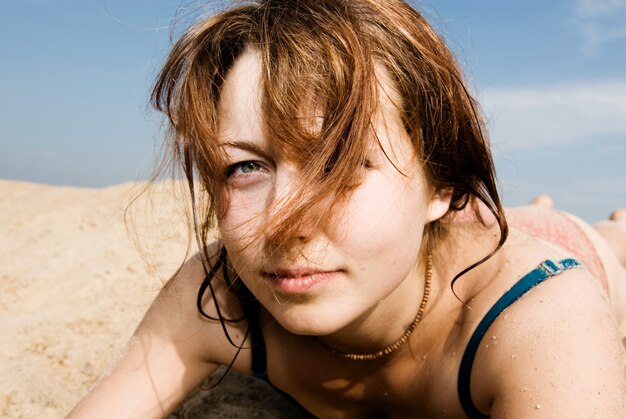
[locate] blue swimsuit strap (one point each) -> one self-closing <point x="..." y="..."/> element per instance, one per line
<point x="259" y="359"/>
<point x="259" y="355"/>
<point x="545" y="270"/>
<point x="252" y="312"/>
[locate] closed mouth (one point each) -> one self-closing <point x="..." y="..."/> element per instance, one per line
<point x="299" y="280"/>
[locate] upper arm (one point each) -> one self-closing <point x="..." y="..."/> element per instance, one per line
<point x="172" y="351"/>
<point x="555" y="353"/>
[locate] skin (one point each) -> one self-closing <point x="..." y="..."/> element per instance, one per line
<point x="372" y="283"/>
<point x="353" y="303"/>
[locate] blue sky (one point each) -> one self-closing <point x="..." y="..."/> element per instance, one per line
<point x="551" y="77"/>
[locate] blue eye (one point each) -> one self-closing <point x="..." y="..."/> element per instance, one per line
<point x="249" y="167"/>
<point x="243" y="168"/>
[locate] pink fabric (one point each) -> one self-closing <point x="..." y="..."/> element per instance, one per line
<point x="556" y="228"/>
<point x="552" y="226"/>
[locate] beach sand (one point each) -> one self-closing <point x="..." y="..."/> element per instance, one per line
<point x="73" y="287"/>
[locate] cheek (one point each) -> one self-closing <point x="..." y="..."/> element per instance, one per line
<point x="242" y="221"/>
<point x="385" y="217"/>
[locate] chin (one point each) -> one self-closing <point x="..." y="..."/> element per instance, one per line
<point x="308" y="321"/>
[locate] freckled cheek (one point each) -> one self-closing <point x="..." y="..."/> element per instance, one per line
<point x="243" y="218"/>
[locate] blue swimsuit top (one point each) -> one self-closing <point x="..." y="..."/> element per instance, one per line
<point x="545" y="270"/>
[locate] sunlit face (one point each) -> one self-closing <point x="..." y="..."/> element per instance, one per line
<point x="365" y="261"/>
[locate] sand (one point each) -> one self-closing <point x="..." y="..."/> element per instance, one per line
<point x="73" y="287"/>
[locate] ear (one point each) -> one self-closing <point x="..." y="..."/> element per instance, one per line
<point x="439" y="204"/>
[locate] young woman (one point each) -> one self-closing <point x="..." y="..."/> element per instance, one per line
<point x="365" y="266"/>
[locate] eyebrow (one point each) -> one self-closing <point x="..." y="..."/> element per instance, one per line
<point x="248" y="146"/>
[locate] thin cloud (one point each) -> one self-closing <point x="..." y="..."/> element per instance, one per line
<point x="595" y="8"/>
<point x="529" y="118"/>
<point x="600" y="22"/>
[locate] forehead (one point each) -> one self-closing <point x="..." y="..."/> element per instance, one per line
<point x="240" y="112"/>
<point x="239" y="115"/>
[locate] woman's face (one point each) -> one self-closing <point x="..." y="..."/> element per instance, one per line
<point x="365" y="261"/>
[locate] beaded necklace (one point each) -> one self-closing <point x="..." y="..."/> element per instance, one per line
<point x="391" y="348"/>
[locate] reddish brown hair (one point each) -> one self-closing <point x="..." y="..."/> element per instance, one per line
<point x="326" y="51"/>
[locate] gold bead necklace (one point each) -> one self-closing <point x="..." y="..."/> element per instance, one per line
<point x="391" y="348"/>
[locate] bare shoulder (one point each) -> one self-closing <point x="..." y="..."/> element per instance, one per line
<point x="172" y="351"/>
<point x="554" y="353"/>
<point x="175" y="313"/>
<point x="183" y="289"/>
<point x="613" y="268"/>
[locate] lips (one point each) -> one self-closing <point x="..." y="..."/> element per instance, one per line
<point x="298" y="280"/>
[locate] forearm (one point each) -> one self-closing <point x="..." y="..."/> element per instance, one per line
<point x="149" y="381"/>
